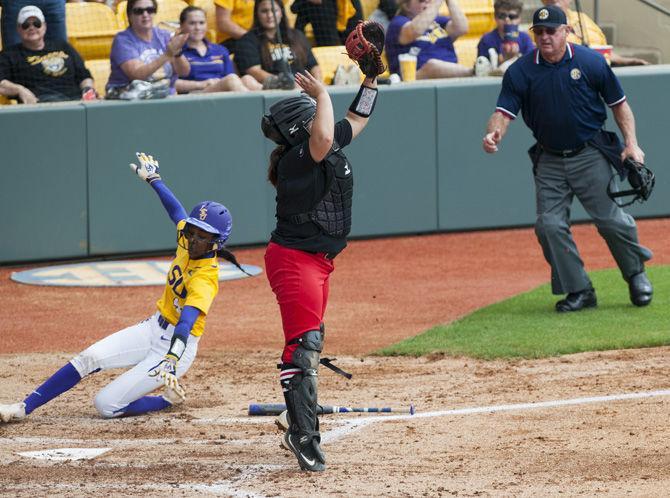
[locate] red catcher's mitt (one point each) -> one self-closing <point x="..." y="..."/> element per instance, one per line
<point x="364" y="46"/>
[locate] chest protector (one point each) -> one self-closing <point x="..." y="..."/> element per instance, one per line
<point x="332" y="214"/>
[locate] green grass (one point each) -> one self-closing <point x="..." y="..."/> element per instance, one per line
<point x="526" y="326"/>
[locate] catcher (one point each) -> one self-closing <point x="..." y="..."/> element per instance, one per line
<point x="314" y="182"/>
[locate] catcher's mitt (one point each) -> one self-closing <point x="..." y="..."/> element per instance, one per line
<point x="364" y="46"/>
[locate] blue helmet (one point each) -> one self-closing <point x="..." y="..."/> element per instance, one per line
<point x="213" y="218"/>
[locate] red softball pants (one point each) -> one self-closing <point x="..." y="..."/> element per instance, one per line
<point x="299" y="280"/>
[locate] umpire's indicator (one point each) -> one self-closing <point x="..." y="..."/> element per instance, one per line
<point x="115" y="274"/>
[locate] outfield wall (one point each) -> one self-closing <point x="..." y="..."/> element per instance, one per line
<point x="67" y="190"/>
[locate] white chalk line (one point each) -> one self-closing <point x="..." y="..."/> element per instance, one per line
<point x="356" y="424"/>
<point x="351" y="425"/>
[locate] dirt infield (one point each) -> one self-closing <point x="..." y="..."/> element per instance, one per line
<point x="382" y="291"/>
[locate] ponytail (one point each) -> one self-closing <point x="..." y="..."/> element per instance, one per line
<point x="275" y="156"/>
<point x="230" y="257"/>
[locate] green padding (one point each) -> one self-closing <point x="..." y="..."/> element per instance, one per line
<point x="209" y="148"/>
<point x="43" y="182"/>
<point x="477" y="189"/>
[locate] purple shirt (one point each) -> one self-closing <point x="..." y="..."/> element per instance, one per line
<point x="435" y="43"/>
<point x="127" y="46"/>
<point x="494" y="40"/>
<point x="215" y="63"/>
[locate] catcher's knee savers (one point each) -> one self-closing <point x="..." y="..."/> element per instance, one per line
<point x="300" y="385"/>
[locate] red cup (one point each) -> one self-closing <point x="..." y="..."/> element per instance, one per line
<point x="605" y="50"/>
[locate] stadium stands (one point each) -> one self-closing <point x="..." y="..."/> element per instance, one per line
<point x="479" y="14"/>
<point x="91" y="28"/>
<point x="329" y="58"/>
<point x="100" y="69"/>
<point x="466" y="50"/>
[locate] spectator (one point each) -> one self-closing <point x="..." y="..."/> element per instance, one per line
<point x="331" y="20"/>
<point x="233" y="19"/>
<point x="384" y="12"/>
<point x="591" y="34"/>
<point x="39" y="70"/>
<point x="211" y="67"/>
<point x="506" y="40"/>
<point x="260" y="55"/>
<point x="420" y="31"/>
<point x="143" y="52"/>
<point x="53" y="11"/>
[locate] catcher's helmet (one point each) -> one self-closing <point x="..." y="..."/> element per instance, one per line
<point x="640" y="178"/>
<point x="213" y="218"/>
<point x="286" y="123"/>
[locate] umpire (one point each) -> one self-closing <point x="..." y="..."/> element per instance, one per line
<point x="560" y="89"/>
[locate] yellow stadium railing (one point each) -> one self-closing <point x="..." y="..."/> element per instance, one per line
<point x="91" y="28"/>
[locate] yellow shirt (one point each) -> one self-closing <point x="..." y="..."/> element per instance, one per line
<point x="345" y="10"/>
<point x="190" y="282"/>
<point x="241" y="13"/>
<point x="594" y="35"/>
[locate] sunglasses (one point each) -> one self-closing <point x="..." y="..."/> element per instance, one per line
<point x="541" y="31"/>
<point x="502" y="16"/>
<point x="27" y="24"/>
<point x="138" y="11"/>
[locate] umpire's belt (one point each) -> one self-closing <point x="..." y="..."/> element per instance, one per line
<point x="162" y="322"/>
<point x="564" y="152"/>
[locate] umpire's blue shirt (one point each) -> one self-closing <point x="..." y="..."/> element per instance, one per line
<point x="561" y="103"/>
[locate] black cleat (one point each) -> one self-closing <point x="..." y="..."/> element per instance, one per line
<point x="307" y="451"/>
<point x="640" y="289"/>
<point x="576" y="301"/>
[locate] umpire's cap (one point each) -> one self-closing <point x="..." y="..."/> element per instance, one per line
<point x="550" y="16"/>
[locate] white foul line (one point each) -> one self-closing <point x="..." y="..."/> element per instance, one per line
<point x="358" y="423"/>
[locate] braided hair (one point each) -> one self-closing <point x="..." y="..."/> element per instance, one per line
<point x="230" y="257"/>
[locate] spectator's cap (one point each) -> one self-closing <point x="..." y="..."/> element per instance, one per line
<point x="29" y="11"/>
<point x="549" y="16"/>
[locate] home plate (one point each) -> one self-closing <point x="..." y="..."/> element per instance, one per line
<point x="61" y="454"/>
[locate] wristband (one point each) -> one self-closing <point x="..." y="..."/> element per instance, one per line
<point x="364" y="103"/>
<point x="177" y="347"/>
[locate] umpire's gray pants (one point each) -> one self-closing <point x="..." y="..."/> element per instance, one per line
<point x="586" y="175"/>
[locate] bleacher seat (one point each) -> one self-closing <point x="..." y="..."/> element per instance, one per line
<point x="466" y="50"/>
<point x="329" y="58"/>
<point x="210" y="11"/>
<point x="479" y="13"/>
<point x="91" y="28"/>
<point x="168" y="11"/>
<point x="100" y="69"/>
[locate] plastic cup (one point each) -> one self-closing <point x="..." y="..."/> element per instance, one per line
<point x="407" y="67"/>
<point x="605" y="50"/>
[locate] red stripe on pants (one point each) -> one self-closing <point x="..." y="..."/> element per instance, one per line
<point x="299" y="280"/>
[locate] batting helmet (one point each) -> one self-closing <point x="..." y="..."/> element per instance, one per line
<point x="640" y="178"/>
<point x="213" y="218"/>
<point x="288" y="120"/>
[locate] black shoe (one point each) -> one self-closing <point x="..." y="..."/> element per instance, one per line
<point x="576" y="301"/>
<point x="307" y="451"/>
<point x="640" y="289"/>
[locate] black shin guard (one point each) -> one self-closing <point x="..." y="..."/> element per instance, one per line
<point x="299" y="380"/>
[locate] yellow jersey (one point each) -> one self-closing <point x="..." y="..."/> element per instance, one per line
<point x="241" y="13"/>
<point x="190" y="282"/>
<point x="593" y="34"/>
